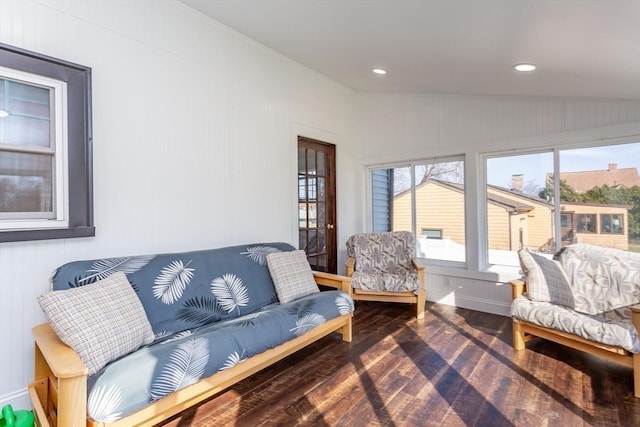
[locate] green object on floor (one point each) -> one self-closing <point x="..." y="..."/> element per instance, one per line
<point x="9" y="418"/>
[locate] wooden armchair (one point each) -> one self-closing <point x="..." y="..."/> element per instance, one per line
<point x="383" y="267"/>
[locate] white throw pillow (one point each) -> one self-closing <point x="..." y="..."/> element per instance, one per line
<point x="291" y="274"/>
<point x="101" y="321"/>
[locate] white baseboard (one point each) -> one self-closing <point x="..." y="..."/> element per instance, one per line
<point x="18" y="400"/>
<point x="472" y="303"/>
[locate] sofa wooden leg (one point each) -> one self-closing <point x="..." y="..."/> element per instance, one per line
<point x="518" y="336"/>
<point x="347" y="331"/>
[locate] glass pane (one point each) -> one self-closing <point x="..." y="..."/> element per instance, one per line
<point x="402" y="200"/>
<point x="312" y="214"/>
<point x="302" y="239"/>
<point x="602" y="185"/>
<point x="312" y="242"/>
<point x="27" y="114"/>
<point x="321" y="170"/>
<point x="26" y="182"/>
<point x="321" y="190"/>
<point x="586" y="223"/>
<point x="322" y="216"/>
<point x="26" y="131"/>
<point x="302" y="215"/>
<point x="440" y="198"/>
<point x="302" y="188"/>
<point x="311" y="162"/>
<point x="302" y="167"/>
<point x="312" y="190"/>
<point x="520" y="211"/>
<point x="322" y="240"/>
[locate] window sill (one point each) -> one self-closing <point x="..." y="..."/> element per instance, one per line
<point x="47" y="234"/>
<point x="500" y="274"/>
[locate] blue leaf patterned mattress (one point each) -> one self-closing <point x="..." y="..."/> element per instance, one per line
<point x="179" y="360"/>
<point x="209" y="310"/>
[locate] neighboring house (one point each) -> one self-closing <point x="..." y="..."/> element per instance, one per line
<point x="612" y="177"/>
<point x="603" y="225"/>
<point x="515" y="219"/>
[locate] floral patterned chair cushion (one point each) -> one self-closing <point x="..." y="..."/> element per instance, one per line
<point x="383" y="261"/>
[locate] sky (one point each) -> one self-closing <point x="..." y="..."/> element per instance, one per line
<point x="534" y="167"/>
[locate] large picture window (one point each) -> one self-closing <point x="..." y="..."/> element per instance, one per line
<point x="547" y="200"/>
<point x="45" y="147"/>
<point x="426" y="198"/>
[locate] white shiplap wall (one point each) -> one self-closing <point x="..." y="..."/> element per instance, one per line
<point x="194" y="143"/>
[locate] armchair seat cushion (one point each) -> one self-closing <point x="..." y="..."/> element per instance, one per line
<point x="398" y="282"/>
<point x="613" y="327"/>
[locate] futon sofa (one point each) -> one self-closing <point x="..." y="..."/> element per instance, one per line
<point x="135" y="340"/>
<point x="587" y="298"/>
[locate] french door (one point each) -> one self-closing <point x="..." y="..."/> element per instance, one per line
<point x="317" y="203"/>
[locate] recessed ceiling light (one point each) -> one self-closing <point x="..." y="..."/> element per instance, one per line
<point x="4" y="113"/>
<point x="524" y="67"/>
<point x="379" y="71"/>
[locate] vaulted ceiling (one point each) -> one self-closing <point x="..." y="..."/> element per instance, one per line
<point x="587" y="48"/>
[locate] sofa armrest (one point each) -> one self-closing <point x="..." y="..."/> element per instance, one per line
<point x="417" y="264"/>
<point x="59" y="391"/>
<point x="333" y="280"/>
<point x="350" y="265"/>
<point x="518" y="287"/>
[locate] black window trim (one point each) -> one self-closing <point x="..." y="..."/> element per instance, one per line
<point x="79" y="142"/>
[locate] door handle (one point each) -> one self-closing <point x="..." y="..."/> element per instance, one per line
<point x="330" y="226"/>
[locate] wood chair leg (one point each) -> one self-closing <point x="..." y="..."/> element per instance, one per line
<point x="420" y="305"/>
<point x="518" y="336"/>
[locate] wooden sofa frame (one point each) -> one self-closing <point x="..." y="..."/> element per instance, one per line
<point x="386" y="296"/>
<point x="525" y="331"/>
<point x="59" y="391"/>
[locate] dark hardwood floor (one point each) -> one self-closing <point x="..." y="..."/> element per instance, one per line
<point x="454" y="368"/>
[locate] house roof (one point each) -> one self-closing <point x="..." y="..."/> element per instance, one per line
<point x="505" y="202"/>
<point x="613" y="177"/>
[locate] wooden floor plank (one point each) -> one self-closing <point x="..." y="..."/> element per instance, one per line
<point x="455" y="367"/>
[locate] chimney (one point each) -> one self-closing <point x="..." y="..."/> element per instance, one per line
<point x="613" y="166"/>
<point x="516" y="182"/>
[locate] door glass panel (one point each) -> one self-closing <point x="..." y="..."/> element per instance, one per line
<point x="311" y="162"/>
<point x="312" y="215"/>
<point x="321" y="189"/>
<point x="312" y="190"/>
<point x="301" y="161"/>
<point x="321" y="170"/>
<point x="302" y="187"/>
<point x="322" y="242"/>
<point x="312" y="242"/>
<point x="322" y="217"/>
<point x="302" y="215"/>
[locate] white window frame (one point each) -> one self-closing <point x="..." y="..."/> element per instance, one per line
<point x="59" y="134"/>
<point x="555" y="149"/>
<point x="411" y="165"/>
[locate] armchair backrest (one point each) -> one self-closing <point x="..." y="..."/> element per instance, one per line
<point x="382" y="252"/>
<point x="602" y="279"/>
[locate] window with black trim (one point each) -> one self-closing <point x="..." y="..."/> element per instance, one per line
<point x="46" y="187"/>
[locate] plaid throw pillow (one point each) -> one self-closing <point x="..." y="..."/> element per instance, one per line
<point x="546" y="279"/>
<point x="100" y="321"/>
<point x="291" y="274"/>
